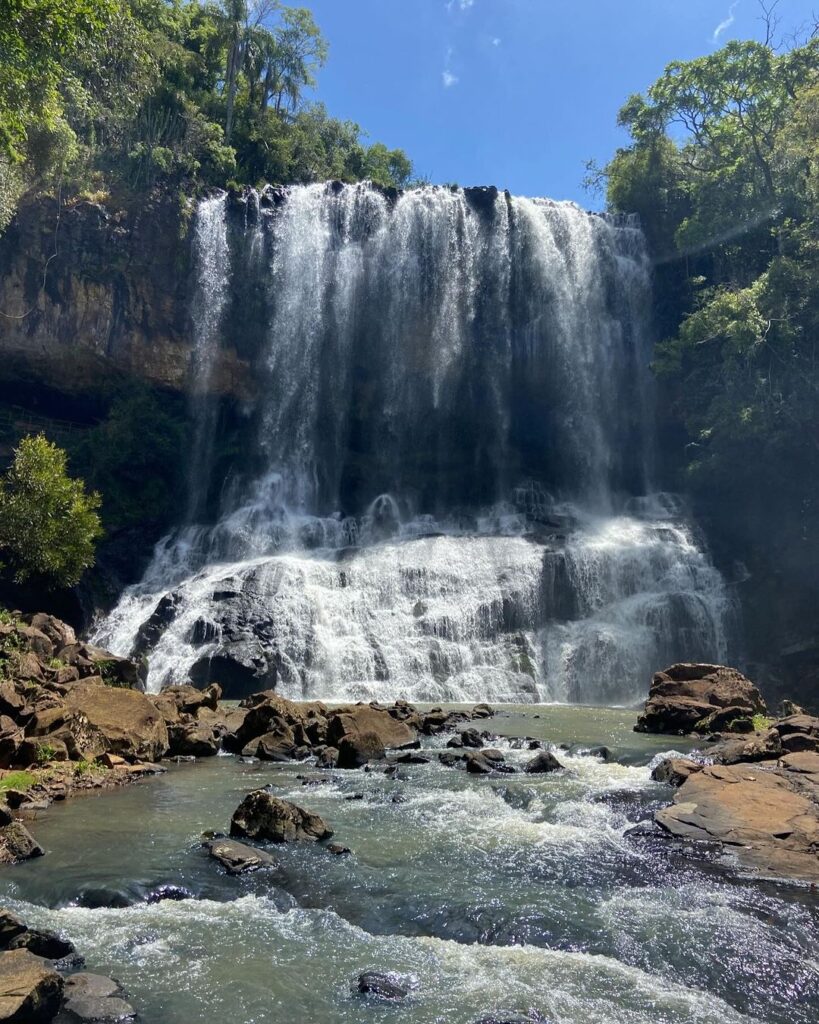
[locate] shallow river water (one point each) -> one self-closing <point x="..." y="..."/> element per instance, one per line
<point x="498" y="894"/>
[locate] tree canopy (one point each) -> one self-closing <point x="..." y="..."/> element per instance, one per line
<point x="723" y="169"/>
<point x="125" y="94"/>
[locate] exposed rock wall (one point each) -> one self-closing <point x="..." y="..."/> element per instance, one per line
<point x="91" y="294"/>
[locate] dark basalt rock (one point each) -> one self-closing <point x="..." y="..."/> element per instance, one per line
<point x="382" y="986"/>
<point x="543" y="762"/>
<point x="263" y="816"/>
<point x="43" y="943"/>
<point x="482" y="198"/>
<point x="168" y="892"/>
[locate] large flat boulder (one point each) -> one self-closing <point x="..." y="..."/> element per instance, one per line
<point x="30" y="989"/>
<point x="686" y="698"/>
<point x="263" y="816"/>
<point x="359" y="719"/>
<point x="768" y="816"/>
<point x="238" y="858"/>
<point x="129" y="722"/>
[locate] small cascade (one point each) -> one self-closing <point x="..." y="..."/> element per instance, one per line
<point x="446" y="488"/>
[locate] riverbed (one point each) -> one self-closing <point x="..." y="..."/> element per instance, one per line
<point x="490" y="895"/>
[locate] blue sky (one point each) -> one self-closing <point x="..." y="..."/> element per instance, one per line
<point x="517" y="93"/>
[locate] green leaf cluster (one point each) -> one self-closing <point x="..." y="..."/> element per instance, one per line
<point x="49" y="524"/>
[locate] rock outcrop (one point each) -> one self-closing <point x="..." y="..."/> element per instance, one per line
<point x="700" y="698"/>
<point x="765" y="814"/>
<point x="107" y="295"/>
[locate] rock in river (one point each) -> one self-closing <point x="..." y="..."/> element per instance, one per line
<point x="767" y="815"/>
<point x="263" y="816"/>
<point x="237" y="858"/>
<point x="543" y="762"/>
<point x="30" y="989"/>
<point x="382" y="986"/>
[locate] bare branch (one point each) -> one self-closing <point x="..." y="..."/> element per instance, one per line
<point x="770" y="20"/>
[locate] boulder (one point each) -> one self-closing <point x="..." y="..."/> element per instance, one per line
<point x="263" y="816"/>
<point x="477" y="763"/>
<point x="127" y="719"/>
<point x="94" y="661"/>
<point x="357" y="749"/>
<point x="327" y="757"/>
<point x="175" y="703"/>
<point x="17" y="844"/>
<point x="237" y="858"/>
<point x="382" y="985"/>
<point x="10" y="927"/>
<point x="192" y="739"/>
<point x="363" y="719"/>
<point x="675" y="770"/>
<point x="685" y="695"/>
<point x="93" y="997"/>
<point x="43" y="943"/>
<point x="71" y="727"/>
<point x="30" y="989"/>
<point x="545" y="761"/>
<point x="766" y="817"/>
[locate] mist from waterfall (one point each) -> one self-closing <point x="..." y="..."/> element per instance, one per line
<point x="444" y="495"/>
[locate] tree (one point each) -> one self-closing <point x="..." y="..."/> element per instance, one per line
<point x="48" y="522"/>
<point x="37" y="38"/>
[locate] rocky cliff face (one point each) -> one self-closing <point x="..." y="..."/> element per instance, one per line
<point x="90" y="294"/>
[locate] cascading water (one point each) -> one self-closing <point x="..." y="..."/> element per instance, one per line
<point x="444" y="496"/>
<point x="212" y="259"/>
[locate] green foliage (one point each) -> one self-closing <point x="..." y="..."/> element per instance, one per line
<point x="723" y="168"/>
<point x="17" y="780"/>
<point x="45" y="752"/>
<point x="761" y="722"/>
<point x="48" y="522"/>
<point x="124" y="95"/>
<point x="135" y="458"/>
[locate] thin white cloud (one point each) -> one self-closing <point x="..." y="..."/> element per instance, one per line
<point x="726" y="23"/>
<point x="448" y="79"/>
<point x="459" y="5"/>
<point x="496" y="41"/>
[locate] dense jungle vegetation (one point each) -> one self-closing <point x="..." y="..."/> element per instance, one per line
<point x="122" y="95"/>
<point x="723" y="170"/>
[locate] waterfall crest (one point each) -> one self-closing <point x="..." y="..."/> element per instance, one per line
<point x="444" y="494"/>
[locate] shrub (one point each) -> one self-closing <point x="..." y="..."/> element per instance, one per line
<point x="48" y="522"/>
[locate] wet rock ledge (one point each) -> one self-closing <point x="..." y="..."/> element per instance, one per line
<point x="753" y="785"/>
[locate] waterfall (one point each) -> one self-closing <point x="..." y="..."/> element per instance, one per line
<point x="212" y="266"/>
<point x="446" y="487"/>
